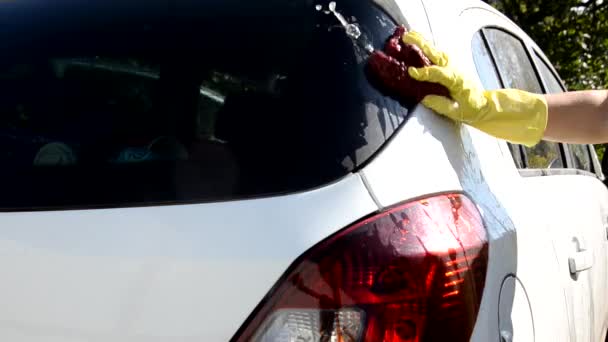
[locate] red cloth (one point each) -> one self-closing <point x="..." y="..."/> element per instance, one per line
<point x="388" y="70"/>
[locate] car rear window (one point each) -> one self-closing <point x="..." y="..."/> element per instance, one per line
<point x="138" y="103"/>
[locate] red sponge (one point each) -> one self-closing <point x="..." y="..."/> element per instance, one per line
<point x="388" y="70"/>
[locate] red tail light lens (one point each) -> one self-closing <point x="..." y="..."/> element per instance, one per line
<point x="413" y="273"/>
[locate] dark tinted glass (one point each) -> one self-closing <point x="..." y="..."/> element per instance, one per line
<point x="108" y="103"/>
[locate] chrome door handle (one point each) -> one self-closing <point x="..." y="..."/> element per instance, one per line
<point x="580" y="261"/>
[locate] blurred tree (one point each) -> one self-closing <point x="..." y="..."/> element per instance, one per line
<point x="572" y="33"/>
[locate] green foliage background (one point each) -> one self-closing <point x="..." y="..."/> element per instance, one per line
<point x="572" y="33"/>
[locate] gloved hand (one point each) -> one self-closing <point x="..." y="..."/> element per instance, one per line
<point x="387" y="70"/>
<point x="514" y="115"/>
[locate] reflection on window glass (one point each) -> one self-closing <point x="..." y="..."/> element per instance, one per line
<point x="513" y="62"/>
<point x="553" y="84"/>
<point x="580" y="157"/>
<point x="545" y="155"/>
<point x="484" y="64"/>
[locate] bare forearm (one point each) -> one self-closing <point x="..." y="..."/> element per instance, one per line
<point x="578" y="117"/>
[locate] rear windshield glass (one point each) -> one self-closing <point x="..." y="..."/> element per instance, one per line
<point x="128" y="103"/>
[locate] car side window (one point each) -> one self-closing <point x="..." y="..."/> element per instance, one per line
<point x="514" y="65"/>
<point x="552" y="84"/>
<point x="490" y="79"/>
<point x="483" y="63"/>
<point x="516" y="70"/>
<point x="581" y="158"/>
<point x="579" y="154"/>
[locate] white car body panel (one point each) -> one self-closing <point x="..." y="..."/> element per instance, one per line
<point x="172" y="273"/>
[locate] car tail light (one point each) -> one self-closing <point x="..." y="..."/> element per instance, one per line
<point x="415" y="272"/>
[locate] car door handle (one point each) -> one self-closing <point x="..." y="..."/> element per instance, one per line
<point x="580" y="261"/>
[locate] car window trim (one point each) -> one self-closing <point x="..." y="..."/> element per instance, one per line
<point x="554" y="172"/>
<point x="569" y="157"/>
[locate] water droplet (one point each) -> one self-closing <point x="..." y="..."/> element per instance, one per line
<point x="318" y="7"/>
<point x="352" y="30"/>
<point x="326" y="12"/>
<point x="332" y="6"/>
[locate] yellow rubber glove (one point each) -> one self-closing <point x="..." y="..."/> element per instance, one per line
<point x="514" y="115"/>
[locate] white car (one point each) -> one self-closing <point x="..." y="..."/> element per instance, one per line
<point x="223" y="170"/>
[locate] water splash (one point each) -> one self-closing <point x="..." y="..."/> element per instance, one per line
<point x="352" y="30"/>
